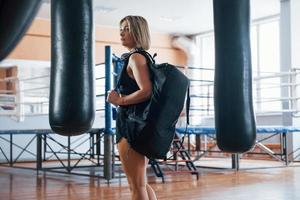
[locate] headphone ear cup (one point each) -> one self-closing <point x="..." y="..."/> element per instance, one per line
<point x="15" y="18"/>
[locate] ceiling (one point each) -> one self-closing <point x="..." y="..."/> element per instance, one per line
<point x="169" y="16"/>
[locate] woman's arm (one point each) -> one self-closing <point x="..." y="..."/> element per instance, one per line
<point x="140" y="72"/>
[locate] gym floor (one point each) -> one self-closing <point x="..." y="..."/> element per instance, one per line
<point x="279" y="183"/>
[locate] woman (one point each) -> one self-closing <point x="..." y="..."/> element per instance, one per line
<point x="134" y="88"/>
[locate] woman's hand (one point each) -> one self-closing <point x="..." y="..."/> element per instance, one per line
<point x="113" y="97"/>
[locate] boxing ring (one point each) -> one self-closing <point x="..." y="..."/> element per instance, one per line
<point x="45" y="143"/>
<point x="100" y="149"/>
<point x="42" y="145"/>
<point x="267" y="132"/>
<point x="268" y="101"/>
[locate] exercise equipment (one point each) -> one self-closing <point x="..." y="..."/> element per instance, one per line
<point x="234" y="116"/>
<point x="15" y="18"/>
<point x="71" y="107"/>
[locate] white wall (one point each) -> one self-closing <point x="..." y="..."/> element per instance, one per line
<point x="295" y="57"/>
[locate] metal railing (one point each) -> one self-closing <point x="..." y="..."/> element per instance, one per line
<point x="31" y="94"/>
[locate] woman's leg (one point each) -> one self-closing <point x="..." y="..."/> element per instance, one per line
<point x="150" y="191"/>
<point x="134" y="165"/>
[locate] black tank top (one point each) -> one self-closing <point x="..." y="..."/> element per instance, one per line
<point x="124" y="127"/>
<point x="126" y="84"/>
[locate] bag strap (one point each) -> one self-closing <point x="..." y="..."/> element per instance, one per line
<point x="144" y="53"/>
<point x="125" y="59"/>
<point x="187" y="106"/>
<point x="187" y="113"/>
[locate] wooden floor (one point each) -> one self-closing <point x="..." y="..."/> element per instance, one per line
<point x="256" y="184"/>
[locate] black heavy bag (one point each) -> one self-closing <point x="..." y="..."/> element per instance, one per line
<point x="155" y="125"/>
<point x="234" y="117"/>
<point x="71" y="109"/>
<point x="15" y="18"/>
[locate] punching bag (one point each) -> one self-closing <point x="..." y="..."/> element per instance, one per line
<point x="15" y="18"/>
<point x="71" y="109"/>
<point x="234" y="116"/>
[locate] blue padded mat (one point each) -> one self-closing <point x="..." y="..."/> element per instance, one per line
<point x="260" y="130"/>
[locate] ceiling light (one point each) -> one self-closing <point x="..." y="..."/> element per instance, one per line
<point x="103" y="9"/>
<point x="168" y="19"/>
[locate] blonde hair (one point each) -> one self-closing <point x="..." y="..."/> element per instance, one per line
<point x="138" y="28"/>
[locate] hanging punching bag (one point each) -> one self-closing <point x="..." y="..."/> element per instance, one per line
<point x="15" y="18"/>
<point x="71" y="109"/>
<point x="234" y="117"/>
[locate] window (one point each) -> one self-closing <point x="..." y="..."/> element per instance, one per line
<point x="265" y="61"/>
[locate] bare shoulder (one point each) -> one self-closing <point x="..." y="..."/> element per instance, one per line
<point x="137" y="59"/>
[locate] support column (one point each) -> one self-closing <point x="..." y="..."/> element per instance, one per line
<point x="285" y="66"/>
<point x="294" y="14"/>
<point x="108" y="137"/>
